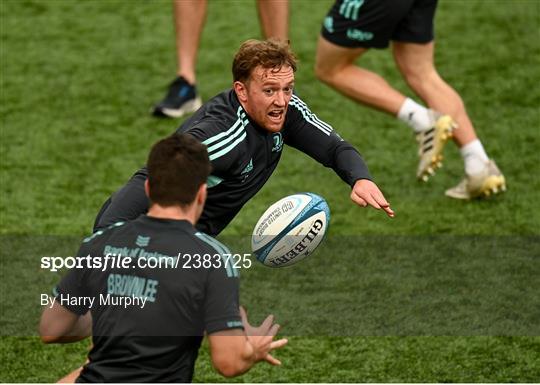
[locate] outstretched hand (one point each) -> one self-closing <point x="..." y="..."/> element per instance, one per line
<point x="262" y="338"/>
<point x="365" y="192"/>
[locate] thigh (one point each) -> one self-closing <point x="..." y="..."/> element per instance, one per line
<point x="126" y="204"/>
<point x="364" y="23"/>
<point x="417" y="25"/>
<point x="414" y="59"/>
<point x="330" y="56"/>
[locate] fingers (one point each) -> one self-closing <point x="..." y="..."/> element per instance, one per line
<point x="389" y="211"/>
<point x="367" y="193"/>
<point x="275" y="345"/>
<point x="383" y="203"/>
<point x="272" y="360"/>
<point x="273" y="330"/>
<point x="364" y="198"/>
<point x="266" y="326"/>
<point x="370" y="199"/>
<point x="358" y="200"/>
<point x="278" y="343"/>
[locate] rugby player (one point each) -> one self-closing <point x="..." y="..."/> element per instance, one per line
<point x="156" y="337"/>
<point x="245" y="130"/>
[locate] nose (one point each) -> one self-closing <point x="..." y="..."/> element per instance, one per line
<point x="279" y="100"/>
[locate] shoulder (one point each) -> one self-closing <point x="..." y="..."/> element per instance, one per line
<point x="99" y="238"/>
<point x="212" y="243"/>
<point x="217" y="248"/>
<point x="299" y="114"/>
<point x="215" y="117"/>
<point x="104" y="233"/>
<point x="297" y="104"/>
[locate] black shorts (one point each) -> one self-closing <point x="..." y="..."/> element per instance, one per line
<point x="125" y="204"/>
<point x="373" y="23"/>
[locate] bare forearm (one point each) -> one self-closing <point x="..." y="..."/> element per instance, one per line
<point x="54" y="330"/>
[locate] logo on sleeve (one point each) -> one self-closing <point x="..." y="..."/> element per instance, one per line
<point x="248" y="168"/>
<point x="278" y="142"/>
<point x="245" y="172"/>
<point x="142" y="241"/>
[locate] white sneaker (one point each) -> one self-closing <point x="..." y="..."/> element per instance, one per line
<point x="489" y="181"/>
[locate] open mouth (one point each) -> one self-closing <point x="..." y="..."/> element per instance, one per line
<point x="276" y="115"/>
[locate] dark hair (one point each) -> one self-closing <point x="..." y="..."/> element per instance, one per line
<point x="177" y="167"/>
<point x="272" y="53"/>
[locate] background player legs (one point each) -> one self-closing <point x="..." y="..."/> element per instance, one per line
<point x="274" y="18"/>
<point x="415" y="62"/>
<point x="181" y="97"/>
<point x="189" y="19"/>
<point x="335" y="66"/>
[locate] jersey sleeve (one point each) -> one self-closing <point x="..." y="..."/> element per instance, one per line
<point x="217" y="141"/>
<point x="222" y="307"/>
<point x="307" y="133"/>
<point x="221" y="304"/>
<point x="74" y="285"/>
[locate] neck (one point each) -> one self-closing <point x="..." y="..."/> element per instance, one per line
<point x="173" y="212"/>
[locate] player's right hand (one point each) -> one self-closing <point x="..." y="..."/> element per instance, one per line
<point x="262" y="338"/>
<point x="365" y="192"/>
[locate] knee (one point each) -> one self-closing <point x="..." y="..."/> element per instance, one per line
<point x="419" y="79"/>
<point x="324" y="72"/>
<point x="412" y="76"/>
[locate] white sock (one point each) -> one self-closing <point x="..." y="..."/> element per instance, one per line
<point x="415" y="115"/>
<point x="474" y="156"/>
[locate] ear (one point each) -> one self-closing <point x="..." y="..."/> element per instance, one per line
<point x="201" y="194"/>
<point x="241" y="91"/>
<point x="147" y="188"/>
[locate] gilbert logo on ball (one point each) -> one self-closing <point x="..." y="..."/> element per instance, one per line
<point x="290" y="229"/>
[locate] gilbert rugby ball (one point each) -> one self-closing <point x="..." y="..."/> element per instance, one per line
<point x="290" y="229"/>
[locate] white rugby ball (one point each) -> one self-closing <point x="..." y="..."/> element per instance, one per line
<point x="290" y="229"/>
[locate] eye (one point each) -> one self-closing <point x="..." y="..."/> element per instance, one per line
<point x="268" y="91"/>
<point x="288" y="90"/>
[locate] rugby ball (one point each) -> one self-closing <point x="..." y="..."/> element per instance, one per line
<point x="290" y="229"/>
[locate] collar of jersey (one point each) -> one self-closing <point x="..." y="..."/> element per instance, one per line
<point x="179" y="222"/>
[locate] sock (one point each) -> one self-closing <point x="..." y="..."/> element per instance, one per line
<point x="474" y="156"/>
<point x="415" y="115"/>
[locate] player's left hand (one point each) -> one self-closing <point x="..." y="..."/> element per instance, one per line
<point x="365" y="192"/>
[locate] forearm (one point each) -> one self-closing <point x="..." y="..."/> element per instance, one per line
<point x="349" y="165"/>
<point x="81" y="330"/>
<point x="55" y="329"/>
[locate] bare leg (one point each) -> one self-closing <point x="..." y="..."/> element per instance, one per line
<point x="274" y="17"/>
<point x="189" y="18"/>
<point x="415" y="61"/>
<point x="335" y="66"/>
